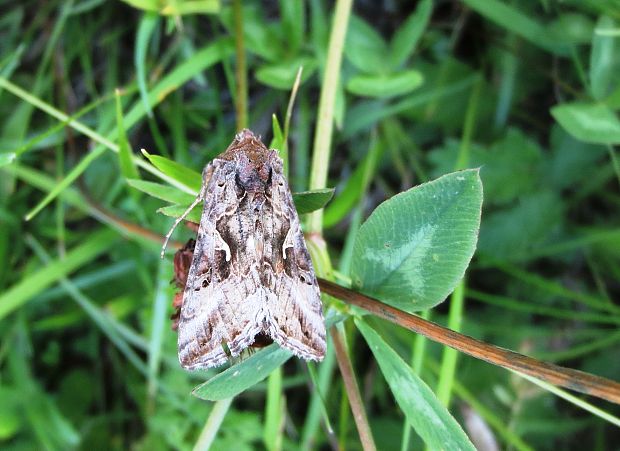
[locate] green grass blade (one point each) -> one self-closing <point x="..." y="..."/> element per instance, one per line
<point x="145" y="29"/>
<point x="34" y="283"/>
<point x="424" y="412"/>
<point x="274" y="406"/>
<point x="125" y="160"/>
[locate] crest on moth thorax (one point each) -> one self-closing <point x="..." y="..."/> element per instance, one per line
<point x="251" y="277"/>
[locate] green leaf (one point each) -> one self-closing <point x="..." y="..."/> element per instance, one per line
<point x="414" y="248"/>
<point x="364" y="47"/>
<point x="385" y="85"/>
<point x="175" y="211"/>
<point x="176" y="171"/>
<point x="281" y="75"/>
<point x="125" y="160"/>
<point x="603" y="60"/>
<point x="407" y="36"/>
<point x="309" y="201"/>
<point x="589" y="122"/>
<point x="430" y="419"/>
<point x="164" y="192"/>
<point x="244" y="375"/>
<point x="277" y="142"/>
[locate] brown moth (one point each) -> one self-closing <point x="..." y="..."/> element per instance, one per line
<point x="251" y="278"/>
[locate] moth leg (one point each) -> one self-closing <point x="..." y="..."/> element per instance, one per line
<point x="182" y="217"/>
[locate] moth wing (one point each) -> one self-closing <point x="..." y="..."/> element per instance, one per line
<point x="216" y="311"/>
<point x="297" y="322"/>
<point x="213" y="316"/>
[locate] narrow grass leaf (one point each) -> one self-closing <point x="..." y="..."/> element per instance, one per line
<point x="128" y="168"/>
<point x="274" y="420"/>
<point x="588" y="122"/>
<point x="175" y="211"/>
<point x="158" y="324"/>
<point x="145" y="30"/>
<point x="164" y="192"/>
<point x="72" y="176"/>
<point x="176" y="171"/>
<point x="244" y="375"/>
<point x="414" y="248"/>
<point x="278" y="142"/>
<point x="34" y="283"/>
<point x="424" y="412"/>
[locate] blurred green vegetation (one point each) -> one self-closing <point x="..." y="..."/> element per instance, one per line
<point x="527" y="91"/>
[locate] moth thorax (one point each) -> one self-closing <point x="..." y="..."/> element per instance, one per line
<point x="254" y="178"/>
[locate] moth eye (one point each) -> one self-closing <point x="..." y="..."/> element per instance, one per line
<point x="302" y="278"/>
<point x="220" y="183"/>
<point x="280" y="183"/>
<point x="205" y="283"/>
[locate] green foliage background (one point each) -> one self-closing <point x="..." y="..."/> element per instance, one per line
<point x="527" y="91"/>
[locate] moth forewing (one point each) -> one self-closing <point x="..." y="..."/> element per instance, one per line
<point x="251" y="274"/>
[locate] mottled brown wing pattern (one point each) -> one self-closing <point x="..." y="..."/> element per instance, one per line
<point x="251" y="273"/>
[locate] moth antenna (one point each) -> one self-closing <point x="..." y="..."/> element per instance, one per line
<point x="179" y="219"/>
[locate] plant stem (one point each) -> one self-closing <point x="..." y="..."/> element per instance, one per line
<point x="353" y="392"/>
<point x="450" y="356"/>
<point x="205" y="440"/>
<point x="325" y="116"/>
<point x="241" y="99"/>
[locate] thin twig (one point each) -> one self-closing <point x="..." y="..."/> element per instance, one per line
<point x="353" y="392"/>
<point x="564" y="377"/>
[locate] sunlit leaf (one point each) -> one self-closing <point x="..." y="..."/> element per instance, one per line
<point x="242" y="376"/>
<point x="415" y="246"/>
<point x="430" y="419"/>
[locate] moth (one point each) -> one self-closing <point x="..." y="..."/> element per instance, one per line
<point x="251" y="279"/>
